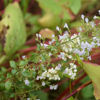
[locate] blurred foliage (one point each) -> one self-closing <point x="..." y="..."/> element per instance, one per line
<point x="56" y="11"/>
<point x="32" y="25"/>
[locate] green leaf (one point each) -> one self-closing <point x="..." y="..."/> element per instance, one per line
<point x="13" y="71"/>
<point x="13" y="64"/>
<point x="8" y="85"/>
<point x="23" y="63"/>
<point x="50" y="5"/>
<point x="75" y="6"/>
<point x="14" y="29"/>
<point x="32" y="25"/>
<point x="41" y="95"/>
<point x="25" y="4"/>
<point x="71" y="98"/>
<point x="3" y="69"/>
<point x="87" y="92"/>
<point x="93" y="72"/>
<point x="49" y="20"/>
<point x="35" y="57"/>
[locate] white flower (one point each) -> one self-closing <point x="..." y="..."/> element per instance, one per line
<point x="86" y="20"/>
<point x="41" y="44"/>
<point x="23" y="57"/>
<point x="28" y="98"/>
<point x="89" y="57"/>
<point x="50" y="54"/>
<point x="70" y="72"/>
<point x="65" y="32"/>
<point x="99" y="12"/>
<point x="62" y="56"/>
<point x="80" y="28"/>
<point x="50" y="42"/>
<point x="73" y="76"/>
<point x="66" y="25"/>
<point x="53" y="36"/>
<point x="53" y="40"/>
<point x="81" y="58"/>
<point x="58" y="67"/>
<point x="43" y="83"/>
<point x="26" y="82"/>
<point x="69" y="56"/>
<point x="75" y="70"/>
<point x="39" y="35"/>
<point x="53" y="87"/>
<point x="95" y="17"/>
<point x="57" y="28"/>
<point x="92" y="24"/>
<point x="66" y="71"/>
<point x="38" y="77"/>
<point x="45" y="45"/>
<point x="94" y="38"/>
<point x="82" y="16"/>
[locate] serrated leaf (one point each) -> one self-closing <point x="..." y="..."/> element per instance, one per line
<point x="93" y="72"/>
<point x="14" y="28"/>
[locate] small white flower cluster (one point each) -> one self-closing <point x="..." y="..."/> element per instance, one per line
<point x="68" y="47"/>
<point x="44" y="45"/>
<point x="51" y="74"/>
<point x="68" y="44"/>
<point x="71" y="71"/>
<point x="86" y="47"/>
<point x="64" y="36"/>
<point x="53" y="87"/>
<point x="96" y="41"/>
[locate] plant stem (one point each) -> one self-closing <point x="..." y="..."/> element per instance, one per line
<point x="27" y="50"/>
<point x="67" y="89"/>
<point x="77" y="90"/>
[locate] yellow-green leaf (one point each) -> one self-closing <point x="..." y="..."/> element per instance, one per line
<point x="93" y="71"/>
<point x="13" y="28"/>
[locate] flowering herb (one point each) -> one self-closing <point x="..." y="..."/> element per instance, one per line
<point x="39" y="70"/>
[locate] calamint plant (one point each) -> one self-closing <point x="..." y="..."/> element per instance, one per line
<point x="53" y="61"/>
